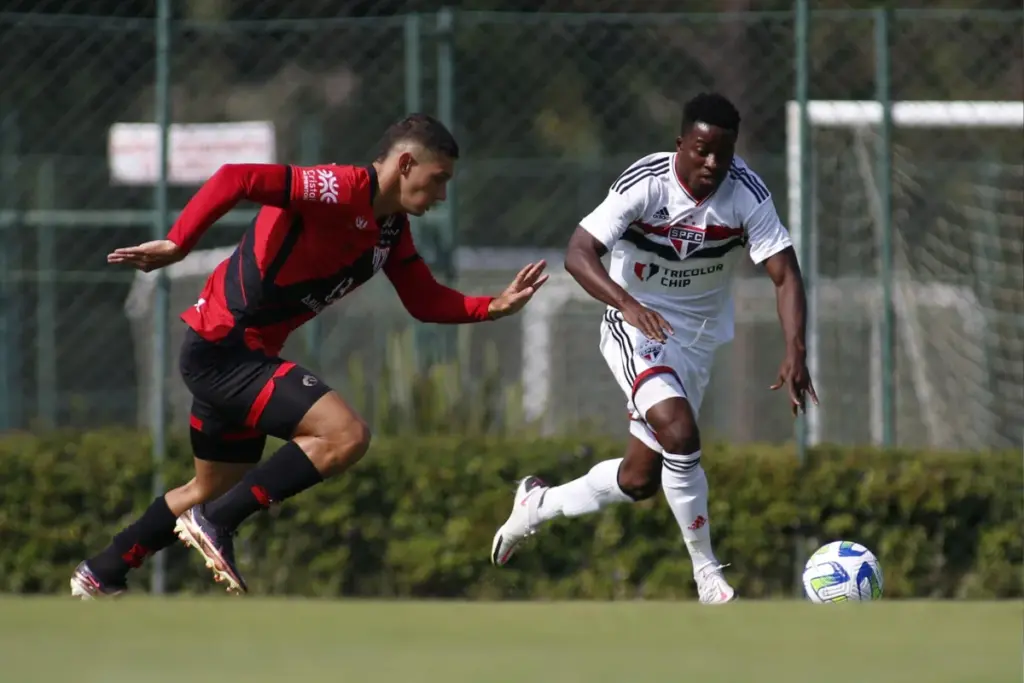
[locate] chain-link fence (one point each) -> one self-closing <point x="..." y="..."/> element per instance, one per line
<point x="950" y="224"/>
<point x="548" y="108"/>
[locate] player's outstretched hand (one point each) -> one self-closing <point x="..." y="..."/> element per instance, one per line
<point x="647" y="321"/>
<point x="149" y="255"/>
<point x="522" y="289"/>
<point x="793" y="372"/>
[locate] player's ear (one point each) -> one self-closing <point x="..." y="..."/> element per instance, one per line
<point x="405" y="162"/>
<point x="679" y="143"/>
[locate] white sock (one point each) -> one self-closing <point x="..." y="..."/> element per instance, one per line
<point x="686" y="490"/>
<point x="591" y="492"/>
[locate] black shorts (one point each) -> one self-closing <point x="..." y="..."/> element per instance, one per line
<point x="239" y="396"/>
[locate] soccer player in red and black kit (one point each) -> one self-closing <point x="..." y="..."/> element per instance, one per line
<point x="322" y="232"/>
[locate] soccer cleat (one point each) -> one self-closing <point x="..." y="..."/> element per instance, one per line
<point x="215" y="545"/>
<point x="712" y="588"/>
<point x="521" y="524"/>
<point x="87" y="586"/>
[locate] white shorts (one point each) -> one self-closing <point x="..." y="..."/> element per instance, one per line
<point x="650" y="372"/>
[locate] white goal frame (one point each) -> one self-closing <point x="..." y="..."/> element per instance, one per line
<point x="863" y="114"/>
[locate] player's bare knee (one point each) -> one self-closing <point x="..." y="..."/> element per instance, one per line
<point x="334" y="451"/>
<point x="680" y="437"/>
<point x="639" y="483"/>
<point x="352" y="443"/>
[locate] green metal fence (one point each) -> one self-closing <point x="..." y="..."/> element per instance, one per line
<point x="908" y="220"/>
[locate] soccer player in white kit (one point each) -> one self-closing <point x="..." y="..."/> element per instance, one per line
<point x="676" y="225"/>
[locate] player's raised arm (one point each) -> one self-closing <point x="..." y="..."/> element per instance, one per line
<point x="428" y="300"/>
<point x="770" y="244"/>
<point x="592" y="239"/>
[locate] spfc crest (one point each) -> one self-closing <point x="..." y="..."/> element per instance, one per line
<point x="650" y="350"/>
<point x="686" y="239"/>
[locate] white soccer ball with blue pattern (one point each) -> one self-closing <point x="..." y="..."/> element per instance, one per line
<point x="842" y="571"/>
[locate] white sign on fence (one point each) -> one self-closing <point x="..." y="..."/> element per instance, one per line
<point x="195" y="150"/>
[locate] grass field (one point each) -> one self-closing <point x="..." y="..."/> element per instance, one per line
<point x="250" y="640"/>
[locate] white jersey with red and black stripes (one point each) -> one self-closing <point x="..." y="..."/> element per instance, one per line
<point x="675" y="254"/>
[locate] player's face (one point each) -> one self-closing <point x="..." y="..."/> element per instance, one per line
<point x="424" y="181"/>
<point x="705" y="154"/>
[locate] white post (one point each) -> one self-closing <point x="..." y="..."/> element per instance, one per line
<point x="875" y="394"/>
<point x="537" y="345"/>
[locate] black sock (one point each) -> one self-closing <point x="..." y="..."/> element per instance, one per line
<point x="151" y="532"/>
<point x="287" y="472"/>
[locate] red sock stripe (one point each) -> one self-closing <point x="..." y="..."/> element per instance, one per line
<point x="261" y="495"/>
<point x="260" y="404"/>
<point x="135" y="556"/>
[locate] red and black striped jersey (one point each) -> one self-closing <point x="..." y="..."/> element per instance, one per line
<point x="315" y="240"/>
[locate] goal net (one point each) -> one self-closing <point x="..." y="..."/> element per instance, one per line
<point x="957" y="239"/>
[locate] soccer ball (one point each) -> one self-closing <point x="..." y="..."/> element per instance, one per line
<point x="842" y="571"/>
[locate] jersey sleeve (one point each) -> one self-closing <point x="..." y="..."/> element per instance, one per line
<point x="275" y="185"/>
<point x="325" y="185"/>
<point x="425" y="298"/>
<point x="767" y="236"/>
<point x="610" y="219"/>
<point x="265" y="184"/>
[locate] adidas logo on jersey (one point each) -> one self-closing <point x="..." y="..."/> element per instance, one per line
<point x="662" y="214"/>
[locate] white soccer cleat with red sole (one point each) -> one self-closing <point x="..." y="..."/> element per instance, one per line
<point x="521" y="523"/>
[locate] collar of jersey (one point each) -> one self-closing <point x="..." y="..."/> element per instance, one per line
<point x="374" y="182"/>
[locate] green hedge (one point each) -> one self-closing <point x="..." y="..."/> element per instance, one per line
<point x="416" y="517"/>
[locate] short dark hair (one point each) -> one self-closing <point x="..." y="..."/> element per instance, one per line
<point x="422" y="129"/>
<point x="713" y="109"/>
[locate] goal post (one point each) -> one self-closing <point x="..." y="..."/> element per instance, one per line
<point x="932" y="348"/>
